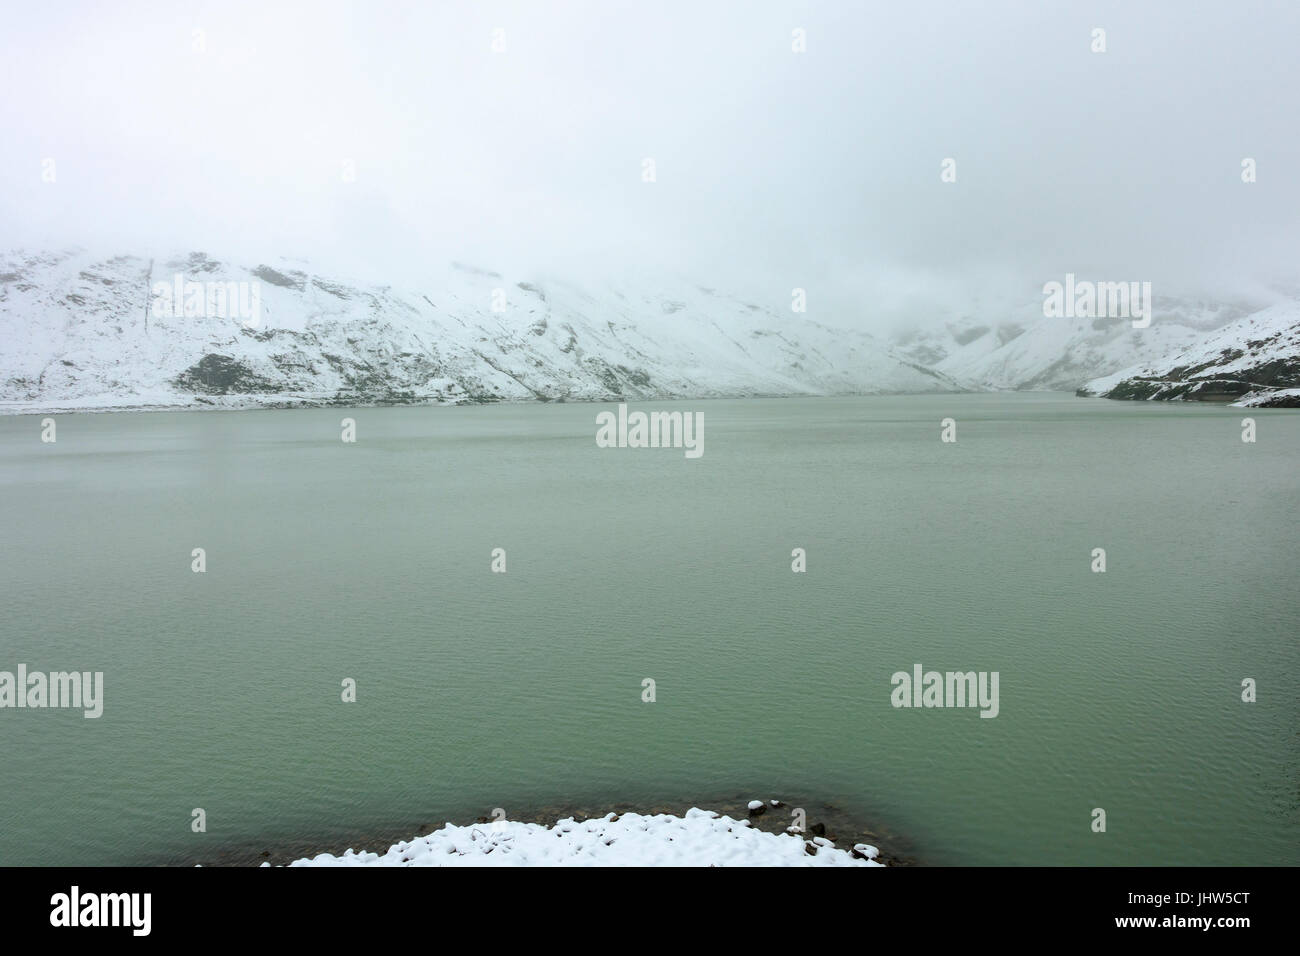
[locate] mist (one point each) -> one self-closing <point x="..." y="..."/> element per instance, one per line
<point x="384" y="140"/>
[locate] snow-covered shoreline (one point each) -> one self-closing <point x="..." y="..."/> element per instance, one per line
<point x="697" y="838"/>
<point x="1253" y="362"/>
<point x="242" y="403"/>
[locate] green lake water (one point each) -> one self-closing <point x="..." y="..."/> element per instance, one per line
<point x="372" y="561"/>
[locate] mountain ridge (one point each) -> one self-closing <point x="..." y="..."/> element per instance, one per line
<point x="86" y="332"/>
<point x="93" y="332"/>
<point x="1253" y="361"/>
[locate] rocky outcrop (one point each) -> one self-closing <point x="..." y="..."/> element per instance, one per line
<point x="1254" y="361"/>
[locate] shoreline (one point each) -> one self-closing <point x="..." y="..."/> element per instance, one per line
<point x="825" y="820"/>
<point x="18" y="409"/>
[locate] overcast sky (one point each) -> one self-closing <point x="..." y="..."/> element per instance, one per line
<point x="774" y="169"/>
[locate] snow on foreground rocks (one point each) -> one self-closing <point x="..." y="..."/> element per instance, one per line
<point x="700" y="838"/>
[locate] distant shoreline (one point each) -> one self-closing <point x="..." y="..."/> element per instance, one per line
<point x="16" y="409"/>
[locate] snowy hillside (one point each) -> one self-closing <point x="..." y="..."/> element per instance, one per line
<point x="81" y="331"/>
<point x="1020" y="348"/>
<point x="1252" y="361"/>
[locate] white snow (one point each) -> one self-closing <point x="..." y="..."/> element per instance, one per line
<point x="1256" y="399"/>
<point x="698" y="838"/>
<point x="1231" y="352"/>
<point x="1014" y="346"/>
<point x="78" y="332"/>
<point x="755" y="804"/>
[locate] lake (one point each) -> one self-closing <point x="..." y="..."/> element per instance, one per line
<point x="372" y="561"/>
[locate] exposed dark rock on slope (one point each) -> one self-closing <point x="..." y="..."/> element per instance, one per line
<point x="1254" y="361"/>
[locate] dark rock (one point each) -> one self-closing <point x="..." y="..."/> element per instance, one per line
<point x="267" y="274"/>
<point x="220" y="375"/>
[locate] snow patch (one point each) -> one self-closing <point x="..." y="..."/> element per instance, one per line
<point x="698" y="838"/>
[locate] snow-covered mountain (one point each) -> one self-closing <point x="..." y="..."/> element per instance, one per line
<point x="81" y="331"/>
<point x="1020" y="348"/>
<point x="1254" y="361"/>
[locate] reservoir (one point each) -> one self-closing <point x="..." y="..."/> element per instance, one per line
<point x="371" y="561"/>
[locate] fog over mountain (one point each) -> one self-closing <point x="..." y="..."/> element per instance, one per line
<point x="84" y="332"/>
<point x="384" y="142"/>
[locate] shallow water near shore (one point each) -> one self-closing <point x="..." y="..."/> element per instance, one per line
<point x="475" y="690"/>
<point x="817" y="819"/>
